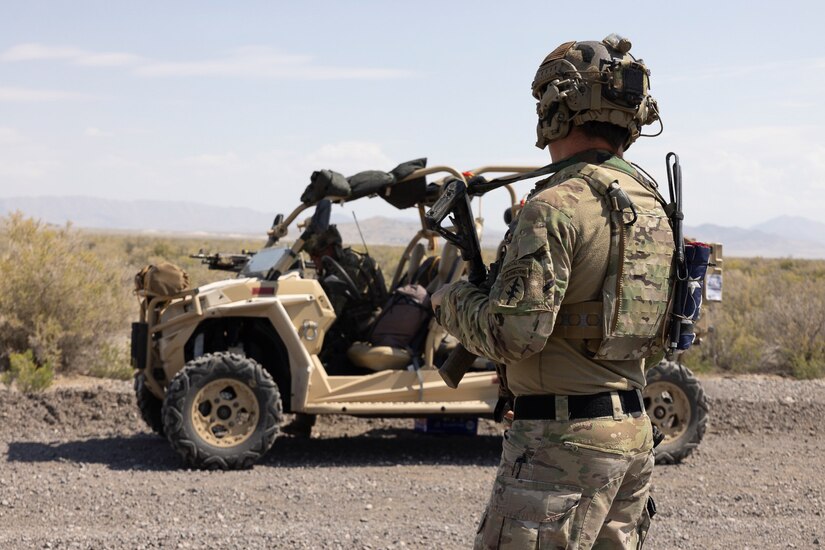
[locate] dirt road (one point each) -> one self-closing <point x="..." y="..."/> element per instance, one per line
<point x="79" y="470"/>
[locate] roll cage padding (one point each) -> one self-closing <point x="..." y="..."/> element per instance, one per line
<point x="331" y="184"/>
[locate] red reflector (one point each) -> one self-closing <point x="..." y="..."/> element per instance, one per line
<point x="467" y="174"/>
<point x="263" y="291"/>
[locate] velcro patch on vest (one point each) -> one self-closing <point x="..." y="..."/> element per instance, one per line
<point x="547" y="70"/>
<point x="559" y="52"/>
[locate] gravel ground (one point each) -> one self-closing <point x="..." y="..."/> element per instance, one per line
<point x="79" y="470"/>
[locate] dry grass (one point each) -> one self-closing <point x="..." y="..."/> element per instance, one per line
<point x="772" y="319"/>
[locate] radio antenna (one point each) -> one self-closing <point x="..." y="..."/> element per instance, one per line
<point x="354" y="217"/>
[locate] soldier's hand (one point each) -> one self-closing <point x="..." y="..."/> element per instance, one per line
<point x="438" y="297"/>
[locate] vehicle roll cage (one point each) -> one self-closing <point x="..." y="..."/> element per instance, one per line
<point x="280" y="230"/>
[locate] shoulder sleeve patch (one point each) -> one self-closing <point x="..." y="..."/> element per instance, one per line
<point x="522" y="285"/>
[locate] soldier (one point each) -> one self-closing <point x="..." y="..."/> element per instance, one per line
<point x="579" y="303"/>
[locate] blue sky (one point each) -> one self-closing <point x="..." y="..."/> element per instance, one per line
<point x="237" y="102"/>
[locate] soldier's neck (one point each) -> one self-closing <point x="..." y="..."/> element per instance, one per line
<point x="577" y="142"/>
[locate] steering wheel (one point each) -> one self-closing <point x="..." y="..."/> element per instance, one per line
<point x="339" y="271"/>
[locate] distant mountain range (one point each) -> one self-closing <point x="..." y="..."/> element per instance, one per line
<point x="140" y="215"/>
<point x="781" y="237"/>
<point x="784" y="236"/>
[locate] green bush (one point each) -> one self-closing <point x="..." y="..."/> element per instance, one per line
<point x="112" y="361"/>
<point x="26" y="374"/>
<point x="772" y="318"/>
<point x="798" y="328"/>
<point x="57" y="297"/>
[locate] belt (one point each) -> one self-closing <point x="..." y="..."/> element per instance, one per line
<point x="543" y="407"/>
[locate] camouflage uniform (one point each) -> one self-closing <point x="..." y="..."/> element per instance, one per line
<point x="572" y="483"/>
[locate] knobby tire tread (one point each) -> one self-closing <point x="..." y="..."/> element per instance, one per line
<point x="150" y="407"/>
<point x="192" y="376"/>
<point x="670" y="371"/>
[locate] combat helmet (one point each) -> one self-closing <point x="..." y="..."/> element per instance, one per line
<point x="599" y="81"/>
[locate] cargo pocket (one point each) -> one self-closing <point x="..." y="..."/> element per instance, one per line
<point x="529" y="514"/>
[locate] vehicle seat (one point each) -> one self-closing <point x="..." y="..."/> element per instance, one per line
<point x="421" y="268"/>
<point x="378" y="358"/>
<point x="448" y="268"/>
<point x="416" y="257"/>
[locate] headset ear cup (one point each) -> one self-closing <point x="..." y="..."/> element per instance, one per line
<point x="544" y="132"/>
<point x="541" y="141"/>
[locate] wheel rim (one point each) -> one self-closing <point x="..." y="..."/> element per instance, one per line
<point x="225" y="412"/>
<point x="668" y="407"/>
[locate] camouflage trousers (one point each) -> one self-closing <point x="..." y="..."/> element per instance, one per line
<point x="571" y="484"/>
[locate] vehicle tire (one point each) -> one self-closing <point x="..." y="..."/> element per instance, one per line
<point x="676" y="404"/>
<point x="150" y="407"/>
<point x="222" y="411"/>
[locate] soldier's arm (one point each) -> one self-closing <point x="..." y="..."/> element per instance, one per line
<point x="516" y="318"/>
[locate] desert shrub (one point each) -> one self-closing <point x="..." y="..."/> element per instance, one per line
<point x="797" y="327"/>
<point x="772" y="319"/>
<point x="137" y="251"/>
<point x="57" y="297"/>
<point x="26" y="374"/>
<point x="112" y="361"/>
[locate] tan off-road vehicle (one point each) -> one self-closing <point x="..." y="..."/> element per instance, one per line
<point x="218" y="365"/>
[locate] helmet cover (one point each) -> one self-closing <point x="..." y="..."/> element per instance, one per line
<point x="580" y="82"/>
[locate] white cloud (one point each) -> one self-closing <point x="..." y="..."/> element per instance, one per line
<point x="268" y="180"/>
<point x="739" y="71"/>
<point x="33" y="95"/>
<point x="265" y="62"/>
<point x="815" y="157"/>
<point x="25" y="169"/>
<point x="350" y="155"/>
<point x="10" y="136"/>
<point x="746" y="175"/>
<point x="108" y="59"/>
<point x="289" y="167"/>
<point x="34" y="51"/>
<point x="223" y="161"/>
<point x="796" y="104"/>
<point x="78" y="56"/>
<point x="97" y="133"/>
<point x="246" y="62"/>
<point x="22" y="170"/>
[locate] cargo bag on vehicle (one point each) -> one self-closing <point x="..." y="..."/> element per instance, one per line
<point x="397" y="333"/>
<point x="164" y="279"/>
<point x="403" y="318"/>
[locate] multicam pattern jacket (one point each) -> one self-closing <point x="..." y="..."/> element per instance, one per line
<point x="559" y="253"/>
